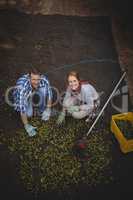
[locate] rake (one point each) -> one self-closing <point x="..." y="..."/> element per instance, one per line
<point x="81" y="144"/>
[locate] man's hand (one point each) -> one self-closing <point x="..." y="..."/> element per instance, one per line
<point x="31" y="130"/>
<point x="61" y="118"/>
<point x="46" y="114"/>
<point x="72" y="109"/>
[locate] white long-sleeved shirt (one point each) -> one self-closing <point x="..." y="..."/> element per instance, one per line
<point x="86" y="96"/>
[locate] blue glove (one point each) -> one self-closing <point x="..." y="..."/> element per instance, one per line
<point x="46" y="114"/>
<point x="72" y="109"/>
<point x="30" y="130"/>
<point x="61" y="118"/>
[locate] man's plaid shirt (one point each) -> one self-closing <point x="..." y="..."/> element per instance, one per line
<point x="23" y="90"/>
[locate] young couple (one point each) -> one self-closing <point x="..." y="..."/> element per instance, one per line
<point x="33" y="90"/>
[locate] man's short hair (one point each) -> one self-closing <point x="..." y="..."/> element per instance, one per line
<point x="34" y="70"/>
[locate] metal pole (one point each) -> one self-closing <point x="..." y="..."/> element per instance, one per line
<point x="106" y="103"/>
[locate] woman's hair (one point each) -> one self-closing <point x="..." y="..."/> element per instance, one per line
<point x="75" y="74"/>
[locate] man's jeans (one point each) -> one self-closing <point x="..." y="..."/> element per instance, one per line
<point x="39" y="105"/>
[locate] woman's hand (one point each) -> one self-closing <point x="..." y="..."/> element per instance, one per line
<point x="61" y="118"/>
<point x="72" y="109"/>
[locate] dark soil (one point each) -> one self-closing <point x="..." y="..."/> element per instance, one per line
<point x="58" y="44"/>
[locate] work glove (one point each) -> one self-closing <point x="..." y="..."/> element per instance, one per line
<point x="61" y="118"/>
<point x="46" y="114"/>
<point x="31" y="130"/>
<point x="72" y="109"/>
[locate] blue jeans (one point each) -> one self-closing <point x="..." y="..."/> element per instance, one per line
<point x="40" y="105"/>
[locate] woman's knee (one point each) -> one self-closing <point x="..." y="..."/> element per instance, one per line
<point x="79" y="115"/>
<point x="67" y="103"/>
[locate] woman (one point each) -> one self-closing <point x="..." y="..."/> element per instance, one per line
<point x="81" y="98"/>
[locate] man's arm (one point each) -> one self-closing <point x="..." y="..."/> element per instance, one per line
<point x="49" y="95"/>
<point x="24" y="118"/>
<point x="49" y="104"/>
<point x="31" y="130"/>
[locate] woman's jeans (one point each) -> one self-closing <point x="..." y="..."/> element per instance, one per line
<point x="88" y="110"/>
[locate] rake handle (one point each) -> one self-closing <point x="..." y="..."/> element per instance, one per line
<point x="106" y="103"/>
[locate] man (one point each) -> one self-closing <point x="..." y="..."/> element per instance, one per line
<point x="27" y="87"/>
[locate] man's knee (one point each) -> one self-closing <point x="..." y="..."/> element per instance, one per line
<point x="29" y="115"/>
<point x="29" y="112"/>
